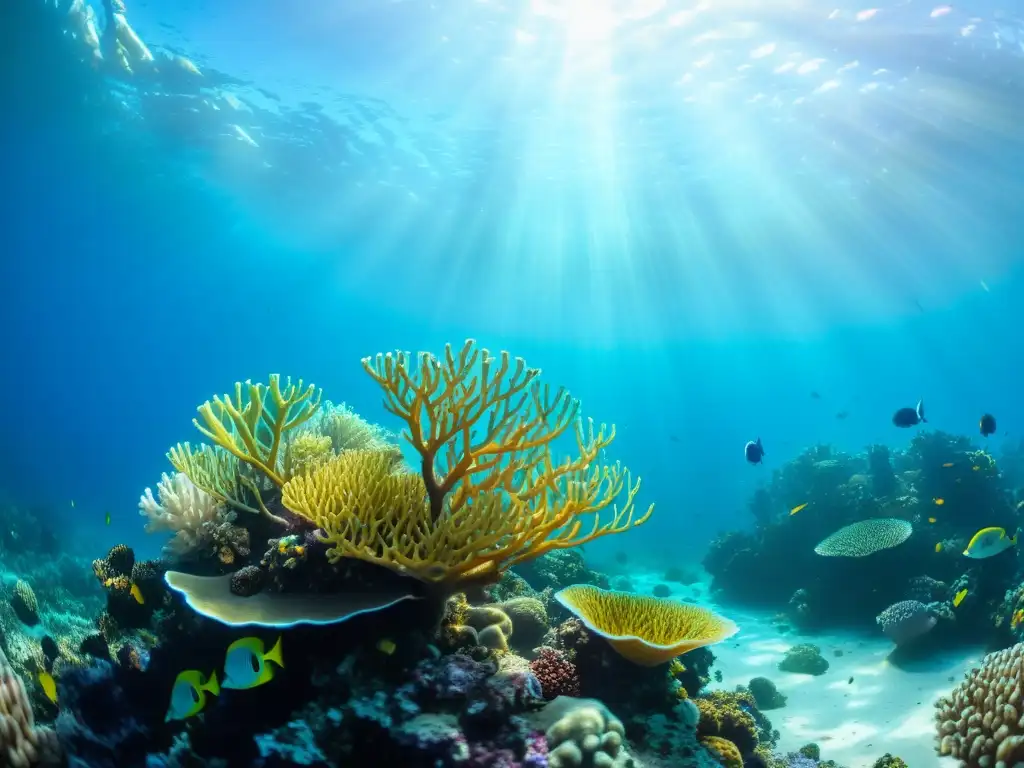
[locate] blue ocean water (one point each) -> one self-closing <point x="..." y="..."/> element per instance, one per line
<point x="692" y="215"/>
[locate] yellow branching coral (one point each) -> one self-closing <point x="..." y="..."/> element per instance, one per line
<point x="489" y="494"/>
<point x="250" y="424"/>
<point x="222" y="476"/>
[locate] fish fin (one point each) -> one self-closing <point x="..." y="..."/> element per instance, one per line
<point x="211" y="685"/>
<point x="274" y="654"/>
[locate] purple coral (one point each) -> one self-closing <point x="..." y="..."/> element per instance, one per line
<point x="905" y="620"/>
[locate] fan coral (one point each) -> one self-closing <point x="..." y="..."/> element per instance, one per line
<point x="184" y="509"/>
<point x="905" y="620"/>
<point x="724" y="750"/>
<point x="557" y="675"/>
<point x="865" y="538"/>
<point x="978" y="722"/>
<point x="481" y="503"/>
<point x="646" y="630"/>
<point x="22" y="743"/>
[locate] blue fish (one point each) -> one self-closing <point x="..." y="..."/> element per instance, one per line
<point x="754" y="451"/>
<point x="245" y="665"/>
<point x="188" y="696"/>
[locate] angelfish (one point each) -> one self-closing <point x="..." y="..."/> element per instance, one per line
<point x="988" y="542"/>
<point x="245" y="665"/>
<point x="753" y="451"/>
<point x="188" y="696"/>
<point x="910" y="417"/>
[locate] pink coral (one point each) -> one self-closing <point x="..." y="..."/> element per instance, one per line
<point x="22" y="743"/>
<point x="557" y="675"/>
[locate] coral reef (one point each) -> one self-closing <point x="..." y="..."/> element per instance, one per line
<point x="804" y="659"/>
<point x="906" y="620"/>
<point x="978" y="721"/>
<point x="766" y="694"/>
<point x="23" y="744"/>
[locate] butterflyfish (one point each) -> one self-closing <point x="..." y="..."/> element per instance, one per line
<point x="188" y="696"/>
<point x="988" y="542"/>
<point x="245" y="665"/>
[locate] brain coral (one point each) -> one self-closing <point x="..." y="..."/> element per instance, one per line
<point x="866" y="537"/>
<point x="905" y="620"/>
<point x="981" y="721"/>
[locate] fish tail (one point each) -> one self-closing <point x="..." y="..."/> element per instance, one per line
<point x="211" y="685"/>
<point x="274" y="654"/>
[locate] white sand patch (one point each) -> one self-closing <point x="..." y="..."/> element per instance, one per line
<point x="861" y="708"/>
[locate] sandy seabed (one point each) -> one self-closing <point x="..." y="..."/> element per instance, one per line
<point x="861" y="708"/>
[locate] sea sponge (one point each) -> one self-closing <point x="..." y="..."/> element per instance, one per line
<point x="804" y="659"/>
<point x="22" y="743"/>
<point x="646" y="630"/>
<point x="979" y="722"/>
<point x="905" y="620"/>
<point x="865" y="538"/>
<point x="585" y="735"/>
<point x="724" y="750"/>
<point x="24" y="603"/>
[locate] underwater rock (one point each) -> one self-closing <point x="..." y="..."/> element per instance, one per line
<point x="765" y="693"/>
<point x="662" y="590"/>
<point x="529" y="622"/>
<point x="804" y="659"/>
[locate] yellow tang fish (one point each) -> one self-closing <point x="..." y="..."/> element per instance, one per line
<point x="938" y="547"/>
<point x="797" y="508"/>
<point x="245" y="665"/>
<point x="959" y="598"/>
<point x="939" y="502"/>
<point x="975" y="467"/>
<point x="386" y="646"/>
<point x="931" y="519"/>
<point x="188" y="696"/>
<point x="49" y="685"/>
<point x="137" y="594"/>
<point x="988" y="542"/>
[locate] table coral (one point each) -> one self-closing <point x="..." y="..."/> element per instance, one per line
<point x="865" y="537"/>
<point x="646" y="630"/>
<point x="980" y="721"/>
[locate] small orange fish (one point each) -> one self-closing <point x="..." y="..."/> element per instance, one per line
<point x="938" y="547"/>
<point x="939" y="502"/>
<point x="948" y="464"/>
<point x="931" y="519"/>
<point x="797" y="508"/>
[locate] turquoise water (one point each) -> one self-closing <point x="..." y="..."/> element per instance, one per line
<point x="692" y="216"/>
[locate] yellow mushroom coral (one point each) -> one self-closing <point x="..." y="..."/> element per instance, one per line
<point x="646" y="630"/>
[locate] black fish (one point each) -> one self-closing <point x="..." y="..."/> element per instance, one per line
<point x="815" y="396"/>
<point x="987" y="425"/>
<point x="753" y="452"/>
<point x="842" y="415"/>
<point x="910" y="417"/>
